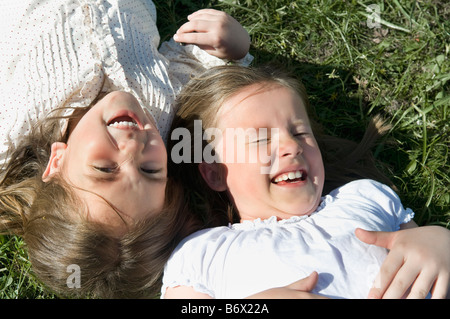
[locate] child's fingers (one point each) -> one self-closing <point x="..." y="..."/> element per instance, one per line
<point x="441" y="288"/>
<point x="195" y="26"/>
<point x="203" y="40"/>
<point x="402" y="281"/>
<point x="305" y="284"/>
<point x="377" y="238"/>
<point x="201" y="34"/>
<point x="209" y="13"/>
<point x="422" y="285"/>
<point x="205" y="21"/>
<point x="388" y="270"/>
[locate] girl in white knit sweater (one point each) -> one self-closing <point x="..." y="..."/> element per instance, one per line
<point x="86" y="101"/>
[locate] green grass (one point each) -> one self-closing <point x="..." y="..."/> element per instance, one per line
<point x="16" y="279"/>
<point x="352" y="72"/>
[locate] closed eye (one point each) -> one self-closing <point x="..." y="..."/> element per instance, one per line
<point x="150" y="171"/>
<point x="110" y="174"/>
<point x="301" y="134"/>
<point x="107" y="170"/>
<point x="263" y="140"/>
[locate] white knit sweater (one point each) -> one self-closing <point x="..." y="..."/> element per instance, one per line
<point x="64" y="52"/>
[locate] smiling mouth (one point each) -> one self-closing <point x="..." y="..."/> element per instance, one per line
<point x="123" y="122"/>
<point x="290" y="177"/>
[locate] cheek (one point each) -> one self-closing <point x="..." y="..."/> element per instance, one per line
<point x="162" y="152"/>
<point x="318" y="172"/>
<point x="96" y="149"/>
<point x="154" y="200"/>
<point x="245" y="180"/>
<point x="318" y="165"/>
<point x="88" y="136"/>
<point x="312" y="153"/>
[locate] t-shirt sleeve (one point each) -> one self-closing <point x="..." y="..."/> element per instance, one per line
<point x="390" y="208"/>
<point x="191" y="263"/>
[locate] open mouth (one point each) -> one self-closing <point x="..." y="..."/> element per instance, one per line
<point x="290" y="177"/>
<point x="123" y="122"/>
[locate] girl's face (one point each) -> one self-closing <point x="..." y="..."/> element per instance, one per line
<point x="115" y="156"/>
<point x="291" y="182"/>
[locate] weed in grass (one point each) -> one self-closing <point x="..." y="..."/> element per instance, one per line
<point x="16" y="279"/>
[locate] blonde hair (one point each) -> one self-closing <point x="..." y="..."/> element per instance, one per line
<point x="49" y="217"/>
<point x="202" y="98"/>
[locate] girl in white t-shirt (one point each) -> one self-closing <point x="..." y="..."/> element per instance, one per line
<point x="262" y="159"/>
<point x="86" y="101"/>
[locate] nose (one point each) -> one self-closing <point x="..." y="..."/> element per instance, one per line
<point x="289" y="146"/>
<point x="131" y="146"/>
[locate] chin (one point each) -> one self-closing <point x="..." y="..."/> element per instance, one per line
<point x="291" y="213"/>
<point x="304" y="211"/>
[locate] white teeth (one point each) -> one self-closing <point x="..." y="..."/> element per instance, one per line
<point x="123" y="124"/>
<point x="290" y="175"/>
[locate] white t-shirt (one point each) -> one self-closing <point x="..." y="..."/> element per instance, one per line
<point x="253" y="256"/>
<point x="57" y="53"/>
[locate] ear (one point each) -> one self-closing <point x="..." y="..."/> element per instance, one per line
<point x="54" y="163"/>
<point x="214" y="175"/>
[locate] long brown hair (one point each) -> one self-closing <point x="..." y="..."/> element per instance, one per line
<point x="49" y="217"/>
<point x="202" y="98"/>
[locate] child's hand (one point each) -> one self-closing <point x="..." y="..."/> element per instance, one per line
<point x="216" y="32"/>
<point x="297" y="290"/>
<point x="419" y="260"/>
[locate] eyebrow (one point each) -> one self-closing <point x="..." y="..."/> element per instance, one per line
<point x="108" y="178"/>
<point x="299" y="122"/>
